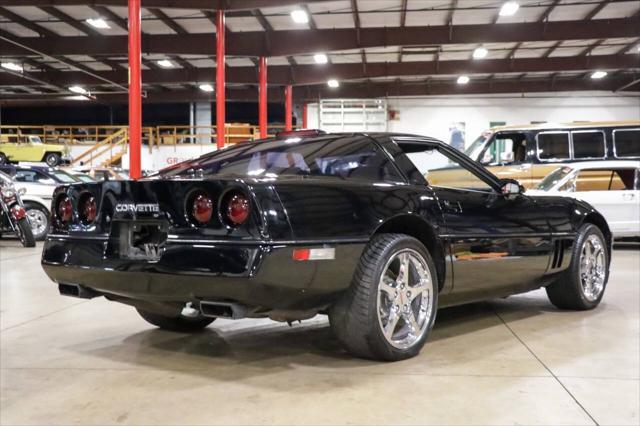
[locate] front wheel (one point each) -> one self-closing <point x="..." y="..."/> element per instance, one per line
<point x="52" y="159"/>
<point x="582" y="285"/>
<point x="391" y="305"/>
<point x="178" y="323"/>
<point x="25" y="234"/>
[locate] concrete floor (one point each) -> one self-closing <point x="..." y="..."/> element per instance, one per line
<point x="516" y="361"/>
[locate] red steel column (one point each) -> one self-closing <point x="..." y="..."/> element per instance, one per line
<point x="288" y="107"/>
<point x="135" y="90"/>
<point x="220" y="79"/>
<point x="305" y="117"/>
<point x="262" y="102"/>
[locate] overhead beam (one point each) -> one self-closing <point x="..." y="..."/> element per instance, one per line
<point x="167" y="4"/>
<point x="360" y="90"/>
<point x="312" y="74"/>
<point x="287" y="43"/>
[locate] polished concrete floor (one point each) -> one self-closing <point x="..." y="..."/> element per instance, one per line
<point x="514" y="361"/>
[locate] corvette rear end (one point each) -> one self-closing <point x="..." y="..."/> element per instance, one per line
<point x="223" y="247"/>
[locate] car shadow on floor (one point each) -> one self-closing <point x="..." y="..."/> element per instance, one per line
<point x="235" y="353"/>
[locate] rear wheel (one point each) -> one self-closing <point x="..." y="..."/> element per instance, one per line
<point x="391" y="305"/>
<point x="582" y="285"/>
<point x="52" y="159"/>
<point x="25" y="234"/>
<point x="39" y="219"/>
<point x="178" y="323"/>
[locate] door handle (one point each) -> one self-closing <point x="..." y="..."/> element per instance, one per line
<point x="628" y="196"/>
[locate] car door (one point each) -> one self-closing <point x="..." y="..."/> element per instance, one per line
<point x="614" y="193"/>
<point x="498" y="245"/>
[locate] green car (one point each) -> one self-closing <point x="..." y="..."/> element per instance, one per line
<point x="16" y="148"/>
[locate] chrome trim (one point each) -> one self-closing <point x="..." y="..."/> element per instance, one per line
<point x="554" y="160"/>
<point x="604" y="142"/>
<point x="613" y="137"/>
<point x="102" y="237"/>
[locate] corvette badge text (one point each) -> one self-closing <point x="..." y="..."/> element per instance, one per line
<point x="137" y="208"/>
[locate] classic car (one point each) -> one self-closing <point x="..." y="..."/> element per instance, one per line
<point x="16" y="148"/>
<point x="338" y="224"/>
<point x="611" y="187"/>
<point x="529" y="153"/>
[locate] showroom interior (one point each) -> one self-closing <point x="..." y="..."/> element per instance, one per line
<point x="336" y="183"/>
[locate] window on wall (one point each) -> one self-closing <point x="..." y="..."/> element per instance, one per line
<point x="588" y="144"/>
<point x="627" y="142"/>
<point x="553" y="145"/>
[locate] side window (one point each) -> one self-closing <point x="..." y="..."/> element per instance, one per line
<point x="588" y="144"/>
<point x="442" y="170"/>
<point x="626" y="143"/>
<point x="605" y="180"/>
<point x="25" y="176"/>
<point x="553" y="145"/>
<point x="505" y="149"/>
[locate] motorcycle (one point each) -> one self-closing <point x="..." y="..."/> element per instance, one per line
<point x="13" y="216"/>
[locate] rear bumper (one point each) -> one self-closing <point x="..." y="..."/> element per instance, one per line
<point x="255" y="274"/>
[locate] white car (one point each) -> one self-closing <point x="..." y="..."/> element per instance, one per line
<point x="37" y="201"/>
<point x="611" y="187"/>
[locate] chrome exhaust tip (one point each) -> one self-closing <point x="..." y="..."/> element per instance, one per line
<point x="222" y="310"/>
<point x="76" y="290"/>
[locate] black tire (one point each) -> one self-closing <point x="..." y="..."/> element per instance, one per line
<point x="43" y="215"/>
<point x="3" y="159"/>
<point x="52" y="159"/>
<point x="355" y="317"/>
<point x="567" y="292"/>
<point x="25" y="234"/>
<point x="180" y="323"/>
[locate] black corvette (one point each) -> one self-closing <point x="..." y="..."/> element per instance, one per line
<point x="351" y="225"/>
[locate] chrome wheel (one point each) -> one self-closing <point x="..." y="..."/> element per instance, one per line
<point x="593" y="266"/>
<point x="405" y="299"/>
<point x="39" y="222"/>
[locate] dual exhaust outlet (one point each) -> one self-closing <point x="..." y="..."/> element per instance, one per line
<point x="206" y="308"/>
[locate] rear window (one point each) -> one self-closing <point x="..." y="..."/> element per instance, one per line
<point x="627" y="142"/>
<point x="553" y="145"/>
<point x="588" y="144"/>
<point x="342" y="157"/>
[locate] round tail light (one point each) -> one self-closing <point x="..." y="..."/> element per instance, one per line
<point x="65" y="210"/>
<point x="235" y="207"/>
<point x="88" y="210"/>
<point x="202" y="209"/>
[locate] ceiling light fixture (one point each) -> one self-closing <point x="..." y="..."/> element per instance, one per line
<point x="480" y="53"/>
<point x="509" y="8"/>
<point x="206" y="87"/>
<point x="463" y="79"/>
<point x="597" y="75"/>
<point x="98" y="23"/>
<point x="165" y="63"/>
<point x="299" y="16"/>
<point x="320" y="58"/>
<point x="333" y="83"/>
<point x="78" y="89"/>
<point x="12" y="66"/>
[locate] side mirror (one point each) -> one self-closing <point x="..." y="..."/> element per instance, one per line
<point x="511" y="188"/>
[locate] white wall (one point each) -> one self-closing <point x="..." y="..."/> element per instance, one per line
<point x="432" y="115"/>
